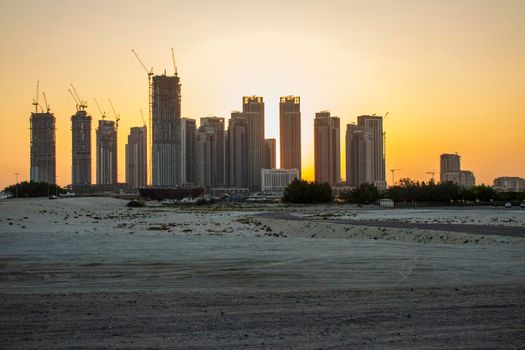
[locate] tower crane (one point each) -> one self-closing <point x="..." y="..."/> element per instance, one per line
<point x="48" y="107"/>
<point x="35" y="100"/>
<point x="102" y="113"/>
<point x="77" y="102"/>
<point x="81" y="104"/>
<point x="393" y="175"/>
<point x="149" y="73"/>
<point x="173" y="58"/>
<point x="432" y="172"/>
<point x="117" y="116"/>
<point x="142" y="116"/>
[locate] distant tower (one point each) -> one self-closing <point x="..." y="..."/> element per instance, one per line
<point x="81" y="151"/>
<point x="290" y="132"/>
<point x="206" y="157"/>
<point x="450" y="167"/>
<point x="43" y="147"/>
<point x="269" y="153"/>
<point x="166" y="115"/>
<point x="253" y="109"/>
<point x="188" y="130"/>
<point x="106" y="153"/>
<point x="238" y="150"/>
<point x="358" y="155"/>
<point x="136" y="161"/>
<point x="219" y="169"/>
<point x="327" y="148"/>
<point x="375" y="125"/>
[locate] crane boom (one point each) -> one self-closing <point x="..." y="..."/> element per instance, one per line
<point x="142" y="116"/>
<point x="174" y="63"/>
<point x="35" y="100"/>
<point x="150" y="72"/>
<point x="45" y="101"/>
<point x="102" y="114"/>
<point x="117" y="116"/>
<point x="74" y="98"/>
<point x="81" y="104"/>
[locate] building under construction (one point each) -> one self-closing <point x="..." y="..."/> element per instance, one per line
<point x="81" y="151"/>
<point x="165" y="130"/>
<point x="106" y="152"/>
<point x="43" y="147"/>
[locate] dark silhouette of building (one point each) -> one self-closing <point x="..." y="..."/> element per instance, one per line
<point x="253" y="109"/>
<point x="269" y="153"/>
<point x="327" y="148"/>
<point x="81" y="151"/>
<point x="106" y="153"/>
<point x="290" y="132"/>
<point x="136" y="158"/>
<point x="43" y="147"/>
<point x="358" y="155"/>
<point x="188" y="158"/>
<point x="375" y="126"/>
<point x="219" y="169"/>
<point x="238" y="150"/>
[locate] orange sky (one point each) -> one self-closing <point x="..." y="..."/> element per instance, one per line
<point x="451" y="73"/>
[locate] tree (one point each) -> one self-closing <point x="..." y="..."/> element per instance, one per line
<point x="300" y="191"/>
<point x="366" y="193"/>
<point x="34" y="189"/>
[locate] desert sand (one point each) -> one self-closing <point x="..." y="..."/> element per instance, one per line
<point x="91" y="273"/>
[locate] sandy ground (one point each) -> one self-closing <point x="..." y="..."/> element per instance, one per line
<point x="456" y="311"/>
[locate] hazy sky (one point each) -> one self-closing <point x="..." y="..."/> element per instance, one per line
<point x="451" y="73"/>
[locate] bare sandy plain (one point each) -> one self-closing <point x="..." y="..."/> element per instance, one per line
<point x="91" y="273"/>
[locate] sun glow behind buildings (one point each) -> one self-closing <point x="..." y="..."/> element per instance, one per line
<point x="451" y="82"/>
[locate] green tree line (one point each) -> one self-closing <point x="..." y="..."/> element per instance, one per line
<point x="34" y="189"/>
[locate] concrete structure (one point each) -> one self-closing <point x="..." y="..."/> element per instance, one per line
<point x="43" y="147"/>
<point x="188" y="134"/>
<point x="290" y="132"/>
<point x="136" y="158"/>
<point x="375" y="126"/>
<point x="359" y="156"/>
<point x="509" y="184"/>
<point x="81" y="151"/>
<point x="276" y="180"/>
<point x="450" y="170"/>
<point x="166" y="114"/>
<point x="206" y="157"/>
<point x="270" y="149"/>
<point x="450" y="166"/>
<point x="238" y="150"/>
<point x="106" y="152"/>
<point x="467" y="179"/>
<point x="219" y="149"/>
<point x="327" y="148"/>
<point x="253" y="109"/>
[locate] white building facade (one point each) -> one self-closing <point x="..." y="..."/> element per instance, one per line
<point x="276" y="180"/>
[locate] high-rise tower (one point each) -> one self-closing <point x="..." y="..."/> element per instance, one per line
<point x="238" y="150"/>
<point x="375" y="125"/>
<point x="253" y="110"/>
<point x="290" y="132"/>
<point x="43" y="147"/>
<point x="106" y="153"/>
<point x="269" y="153"/>
<point x="136" y="161"/>
<point x="358" y="155"/>
<point x="206" y="156"/>
<point x="188" y="130"/>
<point x="166" y="114"/>
<point x="219" y="169"/>
<point x="81" y="151"/>
<point x="327" y="148"/>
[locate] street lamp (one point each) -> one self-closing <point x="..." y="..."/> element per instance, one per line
<point x="16" y="174"/>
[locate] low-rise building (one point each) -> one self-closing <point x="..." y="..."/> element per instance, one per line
<point x="509" y="184"/>
<point x="276" y="180"/>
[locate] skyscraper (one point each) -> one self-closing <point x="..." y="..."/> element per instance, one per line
<point x="290" y="132"/>
<point x="375" y="125"/>
<point x="253" y="109"/>
<point x="219" y="169"/>
<point x="43" y="147"/>
<point x="106" y="153"/>
<point x="450" y="166"/>
<point x="136" y="161"/>
<point x="206" y="157"/>
<point x="166" y="114"/>
<point x="358" y="155"/>
<point x="269" y="153"/>
<point x="81" y="151"/>
<point x="327" y="148"/>
<point x="188" y="131"/>
<point x="238" y="150"/>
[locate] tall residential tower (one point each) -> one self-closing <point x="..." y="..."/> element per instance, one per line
<point x="136" y="161"/>
<point x="106" y="153"/>
<point x="290" y="132"/>
<point x="43" y="147"/>
<point x="81" y="151"/>
<point x="327" y="148"/>
<point x="375" y="126"/>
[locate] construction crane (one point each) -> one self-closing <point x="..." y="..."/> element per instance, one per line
<point x="102" y="113"/>
<point x="81" y="104"/>
<point x="432" y="172"/>
<point x="150" y="106"/>
<point x="48" y="107"/>
<point x="142" y="116"/>
<point x="117" y="116"/>
<point x="77" y="102"/>
<point x="173" y="58"/>
<point x="35" y="100"/>
<point x="393" y="175"/>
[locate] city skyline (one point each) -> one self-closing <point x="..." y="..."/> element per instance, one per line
<point x="452" y="86"/>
